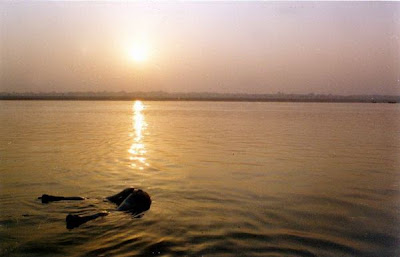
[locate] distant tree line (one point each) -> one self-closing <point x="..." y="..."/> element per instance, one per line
<point x="198" y="96"/>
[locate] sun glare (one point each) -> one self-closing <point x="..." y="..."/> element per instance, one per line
<point x="139" y="53"/>
<point x="137" y="149"/>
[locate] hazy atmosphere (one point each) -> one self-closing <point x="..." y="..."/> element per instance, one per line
<point x="193" y="128"/>
<point x="226" y="47"/>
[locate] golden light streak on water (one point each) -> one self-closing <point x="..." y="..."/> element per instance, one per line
<point x="138" y="149"/>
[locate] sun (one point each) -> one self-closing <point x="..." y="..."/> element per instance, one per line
<point x="139" y="53"/>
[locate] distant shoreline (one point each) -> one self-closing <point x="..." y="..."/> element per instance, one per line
<point x="191" y="99"/>
<point x="199" y="96"/>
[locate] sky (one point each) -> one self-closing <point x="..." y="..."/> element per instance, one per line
<point x="226" y="47"/>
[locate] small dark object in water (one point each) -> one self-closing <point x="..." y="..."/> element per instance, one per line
<point x="135" y="201"/>
<point x="51" y="198"/>
<point x="132" y="200"/>
<point x="74" y="221"/>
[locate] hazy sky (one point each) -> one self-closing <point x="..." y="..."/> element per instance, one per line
<point x="246" y="47"/>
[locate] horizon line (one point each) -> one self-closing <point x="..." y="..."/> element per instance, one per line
<point x="122" y="92"/>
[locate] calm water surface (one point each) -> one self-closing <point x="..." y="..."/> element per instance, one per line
<point x="226" y="179"/>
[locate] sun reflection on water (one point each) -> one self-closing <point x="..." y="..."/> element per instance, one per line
<point x="137" y="149"/>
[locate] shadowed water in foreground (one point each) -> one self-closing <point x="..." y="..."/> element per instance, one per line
<point x="226" y="179"/>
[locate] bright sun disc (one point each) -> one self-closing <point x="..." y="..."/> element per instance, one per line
<point x="139" y="53"/>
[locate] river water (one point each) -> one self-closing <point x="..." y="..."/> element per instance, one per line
<point x="226" y="178"/>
